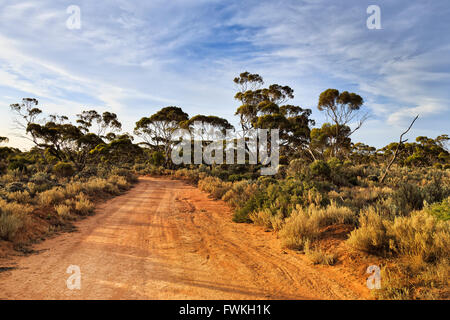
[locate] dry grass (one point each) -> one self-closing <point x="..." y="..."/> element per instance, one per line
<point x="421" y="244"/>
<point x="118" y="181"/>
<point x="299" y="229"/>
<point x="371" y="236"/>
<point x="63" y="210"/>
<point x="304" y="223"/>
<point x="83" y="206"/>
<point x="332" y="214"/>
<point x="216" y="187"/>
<point x="266" y="219"/>
<point x="13" y="216"/>
<point x="239" y="193"/>
<point x="318" y="256"/>
<point x="9" y="225"/>
<point x="51" y="197"/>
<point x="72" y="189"/>
<point x="20" y="197"/>
<point x="94" y="186"/>
<point x="14" y="208"/>
<point x="420" y="235"/>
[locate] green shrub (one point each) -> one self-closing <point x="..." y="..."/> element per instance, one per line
<point x="40" y="178"/>
<point x="320" y="168"/>
<point x="63" y="169"/>
<point x="407" y="198"/>
<point x="242" y="214"/>
<point x="239" y="193"/>
<point x="158" y="158"/>
<point x="440" y="210"/>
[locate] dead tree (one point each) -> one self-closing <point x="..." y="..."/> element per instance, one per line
<point x="394" y="157"/>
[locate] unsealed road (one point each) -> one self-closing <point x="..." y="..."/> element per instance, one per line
<point x="165" y="239"/>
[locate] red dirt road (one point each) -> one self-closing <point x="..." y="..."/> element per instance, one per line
<point x="165" y="239"/>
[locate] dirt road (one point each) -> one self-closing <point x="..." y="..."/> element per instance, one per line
<point x="165" y="239"/>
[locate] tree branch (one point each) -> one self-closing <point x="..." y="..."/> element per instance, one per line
<point x="401" y="141"/>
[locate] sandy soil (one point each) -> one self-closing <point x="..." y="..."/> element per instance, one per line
<point x="165" y="239"/>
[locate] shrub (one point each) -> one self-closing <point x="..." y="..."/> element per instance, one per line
<point x="95" y="185"/>
<point x="158" y="158"/>
<point x="320" y="168"/>
<point x="9" y="225"/>
<point x="239" y="193"/>
<point x="436" y="190"/>
<point x="265" y="218"/>
<point x="40" y="178"/>
<point x="63" y="169"/>
<point x="63" y="210"/>
<point x="83" y="206"/>
<point x="13" y="216"/>
<point x="242" y="215"/>
<point x="15" y="187"/>
<point x="420" y="235"/>
<point x="296" y="167"/>
<point x="20" y="197"/>
<point x="51" y="197"/>
<point x="331" y="215"/>
<point x="371" y="235"/>
<point x="299" y="229"/>
<point x="118" y="181"/>
<point x="441" y="210"/>
<point x="14" y="208"/>
<point x="126" y="173"/>
<point x="72" y="189"/>
<point x="215" y="186"/>
<point x="407" y="198"/>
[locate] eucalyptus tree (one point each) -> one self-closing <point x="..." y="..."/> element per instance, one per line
<point x="157" y="130"/>
<point x="266" y="108"/>
<point x="343" y="109"/>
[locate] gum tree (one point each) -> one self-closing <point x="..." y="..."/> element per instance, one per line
<point x="342" y="108"/>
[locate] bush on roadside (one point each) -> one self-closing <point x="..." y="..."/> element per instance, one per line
<point x="299" y="229"/>
<point x="83" y="206"/>
<point x="63" y="169"/>
<point x="13" y="216"/>
<point x="63" y="210"/>
<point x="51" y="197"/>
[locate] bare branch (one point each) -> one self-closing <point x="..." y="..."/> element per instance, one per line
<point x="401" y="141"/>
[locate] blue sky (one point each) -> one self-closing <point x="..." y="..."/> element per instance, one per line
<point x="135" y="57"/>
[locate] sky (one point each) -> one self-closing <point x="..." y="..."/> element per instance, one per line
<point x="134" y="58"/>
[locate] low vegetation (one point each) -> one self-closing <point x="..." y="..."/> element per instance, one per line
<point x="391" y="203"/>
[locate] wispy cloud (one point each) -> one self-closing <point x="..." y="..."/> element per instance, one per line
<point x="135" y="57"/>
